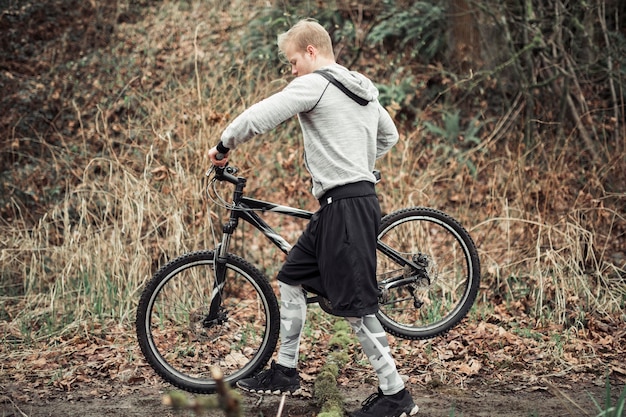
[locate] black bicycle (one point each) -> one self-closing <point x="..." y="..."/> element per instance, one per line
<point x="213" y="308"/>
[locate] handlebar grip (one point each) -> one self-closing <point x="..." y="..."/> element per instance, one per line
<point x="219" y="156"/>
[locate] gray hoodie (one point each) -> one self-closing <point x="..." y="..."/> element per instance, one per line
<point x="342" y="139"/>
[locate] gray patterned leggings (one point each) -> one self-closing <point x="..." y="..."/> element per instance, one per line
<point x="367" y="329"/>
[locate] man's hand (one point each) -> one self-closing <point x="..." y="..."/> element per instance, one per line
<point x="215" y="155"/>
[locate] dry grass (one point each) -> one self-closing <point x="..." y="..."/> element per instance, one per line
<point x="137" y="199"/>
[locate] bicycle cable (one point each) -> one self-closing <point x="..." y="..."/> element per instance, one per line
<point x="218" y="200"/>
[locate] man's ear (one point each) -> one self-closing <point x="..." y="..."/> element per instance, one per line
<point x="311" y="50"/>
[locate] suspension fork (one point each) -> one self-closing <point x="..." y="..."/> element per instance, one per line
<point x="216" y="314"/>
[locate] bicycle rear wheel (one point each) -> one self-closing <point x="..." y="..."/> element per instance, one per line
<point x="433" y="293"/>
<point x="182" y="341"/>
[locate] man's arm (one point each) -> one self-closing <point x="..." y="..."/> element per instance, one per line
<point x="299" y="96"/>
<point x="387" y="132"/>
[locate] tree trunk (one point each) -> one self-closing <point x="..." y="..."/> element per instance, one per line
<point x="464" y="36"/>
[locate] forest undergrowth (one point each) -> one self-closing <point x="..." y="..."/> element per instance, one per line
<point x="108" y="110"/>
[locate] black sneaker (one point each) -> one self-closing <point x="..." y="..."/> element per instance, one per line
<point x="277" y="379"/>
<point x="380" y="405"/>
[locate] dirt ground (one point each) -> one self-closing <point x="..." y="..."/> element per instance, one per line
<point x="481" y="398"/>
<point x="102" y="373"/>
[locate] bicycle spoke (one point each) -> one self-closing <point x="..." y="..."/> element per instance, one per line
<point x="183" y="343"/>
<point x="429" y="294"/>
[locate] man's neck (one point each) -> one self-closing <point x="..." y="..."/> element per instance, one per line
<point x="324" y="62"/>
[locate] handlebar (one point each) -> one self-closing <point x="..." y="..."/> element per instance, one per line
<point x="226" y="173"/>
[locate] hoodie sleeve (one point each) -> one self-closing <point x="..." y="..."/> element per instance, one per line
<point x="297" y="97"/>
<point x="387" y="132"/>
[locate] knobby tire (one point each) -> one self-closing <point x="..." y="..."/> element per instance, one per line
<point x="181" y="344"/>
<point x="432" y="303"/>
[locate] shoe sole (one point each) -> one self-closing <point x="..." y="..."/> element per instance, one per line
<point x="293" y="392"/>
<point x="413" y="411"/>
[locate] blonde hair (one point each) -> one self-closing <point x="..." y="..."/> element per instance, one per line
<point x="304" y="33"/>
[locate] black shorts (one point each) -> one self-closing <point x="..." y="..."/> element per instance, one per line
<point x="336" y="255"/>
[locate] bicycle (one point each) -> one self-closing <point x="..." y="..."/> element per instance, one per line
<point x="213" y="308"/>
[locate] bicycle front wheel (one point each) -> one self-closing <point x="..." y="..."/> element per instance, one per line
<point x="183" y="340"/>
<point x="429" y="295"/>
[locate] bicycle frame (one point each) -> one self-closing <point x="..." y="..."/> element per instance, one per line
<point x="246" y="208"/>
<point x="247" y="211"/>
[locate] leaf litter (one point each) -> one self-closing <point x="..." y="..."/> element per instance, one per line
<point x="501" y="358"/>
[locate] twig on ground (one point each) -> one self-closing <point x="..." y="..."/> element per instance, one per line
<point x="14" y="405"/>
<point x="282" y="404"/>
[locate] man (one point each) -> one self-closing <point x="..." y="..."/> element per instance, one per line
<point x="336" y="255"/>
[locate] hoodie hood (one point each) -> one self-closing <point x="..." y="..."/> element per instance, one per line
<point x="353" y="81"/>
